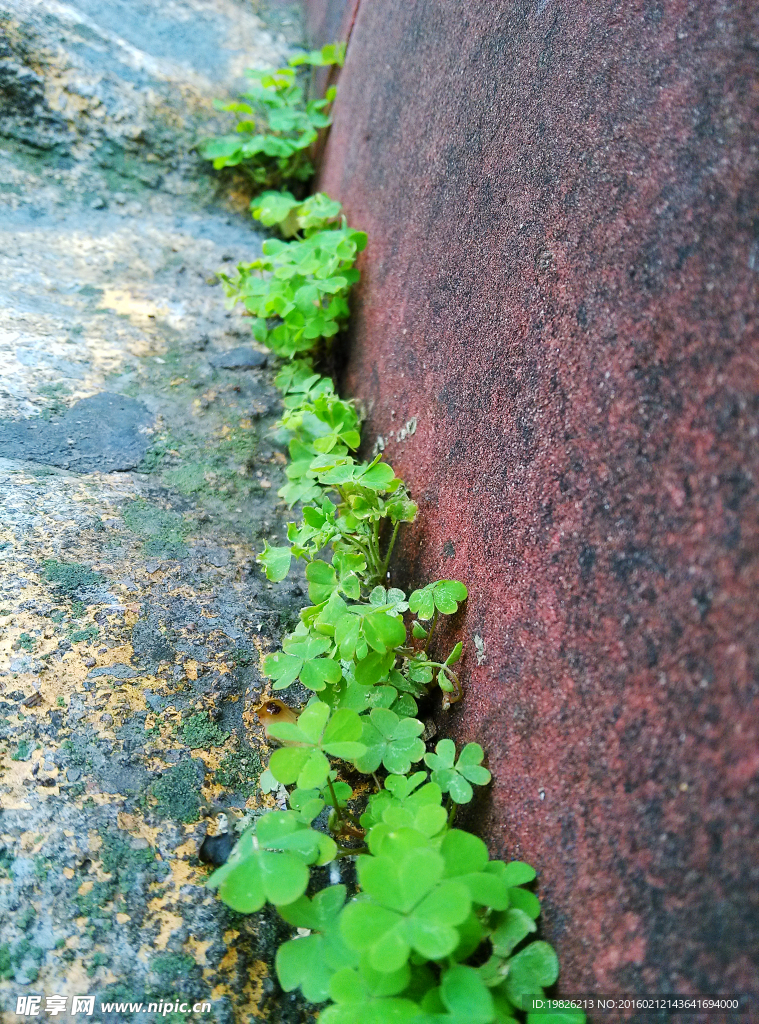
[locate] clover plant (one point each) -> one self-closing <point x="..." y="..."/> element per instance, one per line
<point x="276" y="125"/>
<point x="435" y="932"/>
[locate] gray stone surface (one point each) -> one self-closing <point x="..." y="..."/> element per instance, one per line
<point x="105" y="432"/>
<point x="132" y="616"/>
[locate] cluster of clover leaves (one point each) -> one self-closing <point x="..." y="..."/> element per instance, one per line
<point x="435" y="930"/>
<point x="276" y="126"/>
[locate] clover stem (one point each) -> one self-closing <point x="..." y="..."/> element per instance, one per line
<point x="451" y="811"/>
<point x="335" y="802"/>
<point x="431" y="630"/>
<point x="390" y="547"/>
<point x="351" y="851"/>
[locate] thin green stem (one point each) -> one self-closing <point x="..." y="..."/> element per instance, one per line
<point x="335" y="802"/>
<point x="431" y="631"/>
<point x="390" y="547"/>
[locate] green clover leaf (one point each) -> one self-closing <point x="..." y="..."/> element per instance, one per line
<point x="513" y="926"/>
<point x="391" y="741"/>
<point x="530" y="971"/>
<point x="453" y="776"/>
<point x="322" y="581"/>
<point x="406" y="905"/>
<point x="350" y="694"/>
<point x="318" y="732"/>
<point x="366" y="996"/>
<point x="443" y="596"/>
<point x="374" y="668"/>
<point x="273" y="207"/>
<point x="403" y="804"/>
<point x="302" y="658"/>
<point x="309" y="962"/>
<point x="270" y="862"/>
<point x="514" y="875"/>
<point x="465" y="995"/>
<point x="276" y="562"/>
<point x="466" y="859"/>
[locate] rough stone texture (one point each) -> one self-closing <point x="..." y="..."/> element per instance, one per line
<point x="132" y="616"/>
<point x="560" y="289"/>
<point x="104" y="433"/>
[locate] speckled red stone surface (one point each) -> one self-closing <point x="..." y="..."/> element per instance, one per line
<point x="560" y="289"/>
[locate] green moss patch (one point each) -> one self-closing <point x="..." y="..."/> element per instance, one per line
<point x="124" y="863"/>
<point x="177" y="792"/>
<point x="239" y="771"/>
<point x="199" y="732"/>
<point x="164" y="531"/>
<point x="69" y="577"/>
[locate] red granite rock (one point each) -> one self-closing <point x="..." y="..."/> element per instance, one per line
<point x="560" y="291"/>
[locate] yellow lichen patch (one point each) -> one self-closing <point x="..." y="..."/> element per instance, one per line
<point x="14" y="775"/>
<point x="183" y="873"/>
<point x="31" y="842"/>
<point x="229" y="960"/>
<point x="94" y="840"/>
<point x="253" y="989"/>
<point x="135" y="826"/>
<point x="198" y="950"/>
<point x="189" y="848"/>
<point x="170" y="923"/>
<point x="101" y="799"/>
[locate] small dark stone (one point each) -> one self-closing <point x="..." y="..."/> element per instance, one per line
<point x="216" y="849"/>
<point x="242" y="358"/>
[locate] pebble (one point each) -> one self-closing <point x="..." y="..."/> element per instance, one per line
<point x="242" y="358"/>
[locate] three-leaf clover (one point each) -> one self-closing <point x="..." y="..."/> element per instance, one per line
<point x="442" y="596"/>
<point x="453" y="776"/>
<point x="406" y="903"/>
<point x="516" y="874"/>
<point x="270" y="862"/>
<point x="390" y="740"/>
<point x="302" y="659"/>
<point x="466" y="859"/>
<point x="403" y="804"/>
<point x="367" y="996"/>
<point x="315" y="735"/>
